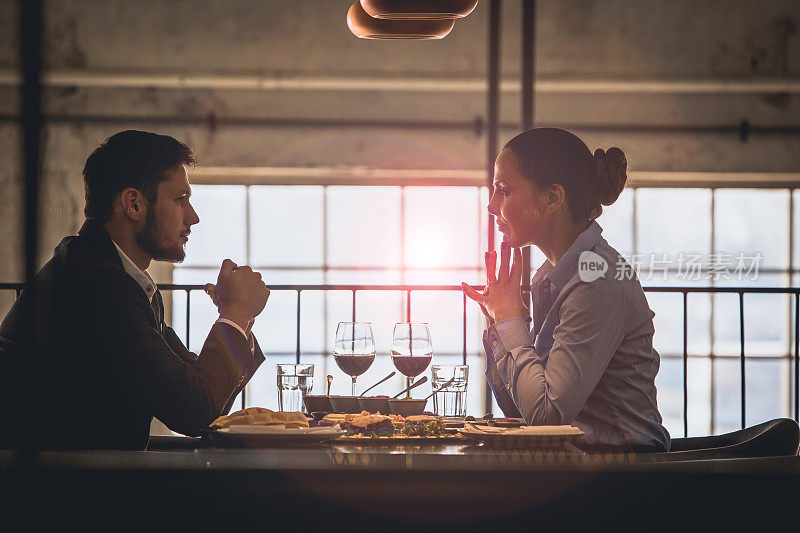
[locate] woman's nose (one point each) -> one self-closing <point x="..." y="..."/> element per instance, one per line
<point x="492" y="207"/>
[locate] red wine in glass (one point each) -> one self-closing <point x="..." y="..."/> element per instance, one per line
<point x="354" y="349"/>
<point x="354" y="365"/>
<point x="411" y="349"/>
<point x="411" y="366"/>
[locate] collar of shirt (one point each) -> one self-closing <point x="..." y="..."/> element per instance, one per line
<point x="560" y="273"/>
<point x="141" y="276"/>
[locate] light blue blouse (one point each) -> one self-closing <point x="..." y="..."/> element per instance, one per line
<point x="589" y="359"/>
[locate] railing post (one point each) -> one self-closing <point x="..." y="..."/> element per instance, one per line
<point x="796" y="356"/>
<point x="408" y="305"/>
<point x="741" y="345"/>
<point x="188" y="295"/>
<point x="297" y="354"/>
<point x="685" y="368"/>
<point x="354" y="305"/>
<point x="528" y="110"/>
<point x="464" y="328"/>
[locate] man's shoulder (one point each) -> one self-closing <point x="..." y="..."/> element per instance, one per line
<point x="80" y="251"/>
<point x="84" y="264"/>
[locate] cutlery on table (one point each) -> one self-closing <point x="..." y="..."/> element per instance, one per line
<point x="330" y="380"/>
<point x="416" y="383"/>
<point x="378" y="383"/>
<point x="441" y="388"/>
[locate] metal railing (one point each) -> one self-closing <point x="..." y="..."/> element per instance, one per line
<point x="409" y="289"/>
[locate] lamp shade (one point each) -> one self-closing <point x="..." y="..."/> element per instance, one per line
<point x="366" y="27"/>
<point x="418" y="9"/>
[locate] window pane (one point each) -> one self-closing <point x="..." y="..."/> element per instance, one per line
<point x="753" y="221"/>
<point x="311" y="305"/>
<point x="766" y="319"/>
<point x="276" y="326"/>
<point x="383" y="309"/>
<point x="445" y="277"/>
<point x="483" y="202"/>
<point x="672" y="221"/>
<point x="355" y="276"/>
<point x="766" y="389"/>
<point x="617" y="223"/>
<point x="669" y="385"/>
<point x="203" y="313"/>
<point x="441" y="227"/>
<point x="363" y="226"/>
<point x="286" y="226"/>
<point x="443" y="311"/>
<point x="668" y="319"/>
<point x="727" y="396"/>
<point x="221" y="231"/>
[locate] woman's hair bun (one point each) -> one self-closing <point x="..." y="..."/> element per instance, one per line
<point x="612" y="167"/>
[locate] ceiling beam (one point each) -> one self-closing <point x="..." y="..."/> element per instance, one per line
<point x="67" y="78"/>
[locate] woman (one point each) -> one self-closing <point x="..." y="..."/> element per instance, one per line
<point x="589" y="359"/>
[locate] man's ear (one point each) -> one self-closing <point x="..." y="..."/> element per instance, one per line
<point x="133" y="204"/>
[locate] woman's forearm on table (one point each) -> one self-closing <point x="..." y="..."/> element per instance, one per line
<point x="522" y="371"/>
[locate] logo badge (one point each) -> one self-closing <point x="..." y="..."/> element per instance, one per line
<point x="591" y="266"/>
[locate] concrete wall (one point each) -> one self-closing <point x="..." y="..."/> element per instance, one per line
<point x="394" y="126"/>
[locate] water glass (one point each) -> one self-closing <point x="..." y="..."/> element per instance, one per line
<point x="452" y="400"/>
<point x="294" y="382"/>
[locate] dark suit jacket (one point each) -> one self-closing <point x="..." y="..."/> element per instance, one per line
<point x="103" y="365"/>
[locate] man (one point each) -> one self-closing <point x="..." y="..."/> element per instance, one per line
<point x="104" y="361"/>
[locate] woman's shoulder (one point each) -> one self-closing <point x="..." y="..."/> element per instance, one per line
<point x="605" y="264"/>
<point x="604" y="276"/>
<point x="610" y="286"/>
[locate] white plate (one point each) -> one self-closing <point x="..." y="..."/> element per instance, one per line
<point x="280" y="430"/>
<point x="271" y="436"/>
<point x="525" y="436"/>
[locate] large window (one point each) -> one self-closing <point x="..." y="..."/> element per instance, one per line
<point x="341" y="235"/>
<point x="435" y="235"/>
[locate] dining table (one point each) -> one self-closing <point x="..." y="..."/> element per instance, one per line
<point x="195" y="482"/>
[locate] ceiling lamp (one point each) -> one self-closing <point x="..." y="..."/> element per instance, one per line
<point x="418" y="9"/>
<point x="366" y="27"/>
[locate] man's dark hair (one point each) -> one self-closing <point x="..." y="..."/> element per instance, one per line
<point x="130" y="159"/>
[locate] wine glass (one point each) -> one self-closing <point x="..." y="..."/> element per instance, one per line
<point x="411" y="349"/>
<point x="354" y="350"/>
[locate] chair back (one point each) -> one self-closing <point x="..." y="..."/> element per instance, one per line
<point x="769" y="439"/>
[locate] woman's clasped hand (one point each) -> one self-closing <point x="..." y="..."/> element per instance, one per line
<point x="501" y="298"/>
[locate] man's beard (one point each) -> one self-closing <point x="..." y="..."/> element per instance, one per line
<point x="152" y="238"/>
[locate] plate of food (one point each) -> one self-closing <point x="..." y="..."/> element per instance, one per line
<point x="259" y="427"/>
<point x="521" y="437"/>
<point x="380" y="429"/>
